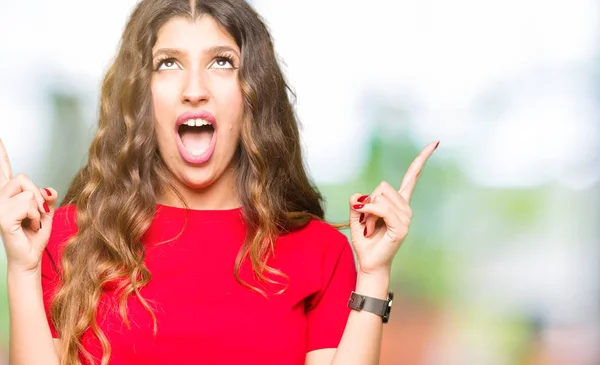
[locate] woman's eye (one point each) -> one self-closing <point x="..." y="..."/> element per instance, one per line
<point x="223" y="63"/>
<point x="167" y="64"/>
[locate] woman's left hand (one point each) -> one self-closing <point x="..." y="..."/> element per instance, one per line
<point x="379" y="222"/>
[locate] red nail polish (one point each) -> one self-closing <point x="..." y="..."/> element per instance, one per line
<point x="437" y="144"/>
<point x="48" y="192"/>
<point x="363" y="198"/>
<point x="365" y="232"/>
<point x="46" y="207"/>
<point x="358" y="206"/>
<point x="362" y="218"/>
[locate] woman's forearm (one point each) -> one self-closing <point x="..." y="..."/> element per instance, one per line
<point x="30" y="337"/>
<point x="361" y="341"/>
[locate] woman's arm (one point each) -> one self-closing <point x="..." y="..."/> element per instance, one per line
<point x="30" y="337"/>
<point x="378" y="223"/>
<point x="25" y="223"/>
<point x="361" y="341"/>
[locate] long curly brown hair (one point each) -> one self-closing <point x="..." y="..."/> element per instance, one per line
<point x="116" y="192"/>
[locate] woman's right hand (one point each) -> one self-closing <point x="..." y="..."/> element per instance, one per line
<point x="25" y="218"/>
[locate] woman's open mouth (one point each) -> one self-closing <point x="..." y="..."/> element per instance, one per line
<point x="196" y="136"/>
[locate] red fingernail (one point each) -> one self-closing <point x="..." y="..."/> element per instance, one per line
<point x="362" y="218"/>
<point x="358" y="206"/>
<point x="46" y="207"/>
<point x="48" y="192"/>
<point x="363" y="198"/>
<point x="437" y="144"/>
<point x="365" y="232"/>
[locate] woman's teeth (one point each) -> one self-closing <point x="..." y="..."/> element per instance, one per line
<point x="196" y="123"/>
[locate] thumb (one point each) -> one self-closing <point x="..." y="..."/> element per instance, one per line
<point x="50" y="197"/>
<point x="356" y="226"/>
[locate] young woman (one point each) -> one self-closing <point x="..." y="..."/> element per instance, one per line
<point x="193" y="234"/>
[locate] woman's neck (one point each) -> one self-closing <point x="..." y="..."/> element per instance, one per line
<point x="221" y="195"/>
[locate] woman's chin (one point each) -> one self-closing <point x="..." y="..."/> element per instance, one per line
<point x="201" y="178"/>
<point x="197" y="181"/>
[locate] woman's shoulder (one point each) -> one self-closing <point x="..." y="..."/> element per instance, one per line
<point x="319" y="235"/>
<point x="64" y="226"/>
<point x="65" y="217"/>
<point x="318" y="226"/>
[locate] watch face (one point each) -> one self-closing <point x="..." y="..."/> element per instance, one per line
<point x="386" y="316"/>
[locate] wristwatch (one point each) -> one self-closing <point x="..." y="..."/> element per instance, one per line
<point x="373" y="305"/>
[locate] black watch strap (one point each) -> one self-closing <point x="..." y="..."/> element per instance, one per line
<point x="373" y="305"/>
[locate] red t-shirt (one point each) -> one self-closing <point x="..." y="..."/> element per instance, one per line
<point x="204" y="315"/>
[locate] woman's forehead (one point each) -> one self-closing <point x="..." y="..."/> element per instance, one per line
<point x="186" y="34"/>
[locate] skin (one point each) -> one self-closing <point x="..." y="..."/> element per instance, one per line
<point x="192" y="75"/>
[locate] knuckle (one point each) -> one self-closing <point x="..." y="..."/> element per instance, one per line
<point x="382" y="185"/>
<point x="22" y="177"/>
<point x="385" y="185"/>
<point x="377" y="198"/>
<point x="27" y="194"/>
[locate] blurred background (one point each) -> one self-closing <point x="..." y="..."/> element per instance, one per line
<point x="502" y="263"/>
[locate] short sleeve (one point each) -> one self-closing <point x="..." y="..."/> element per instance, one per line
<point x="327" y="312"/>
<point x="63" y="228"/>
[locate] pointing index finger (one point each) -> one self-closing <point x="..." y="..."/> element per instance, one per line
<point x="412" y="174"/>
<point x="5" y="171"/>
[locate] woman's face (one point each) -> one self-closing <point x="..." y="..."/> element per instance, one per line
<point x="198" y="103"/>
